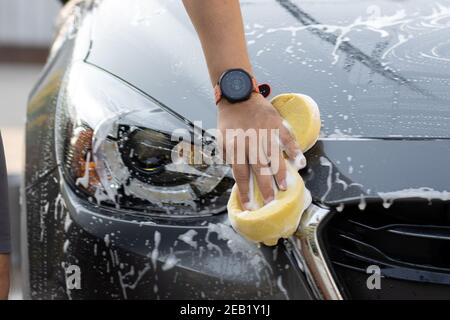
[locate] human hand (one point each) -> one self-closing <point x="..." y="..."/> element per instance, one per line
<point x="253" y="138"/>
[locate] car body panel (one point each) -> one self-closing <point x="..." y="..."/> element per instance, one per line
<point x="119" y="258"/>
<point x="375" y="70"/>
<point x="372" y="170"/>
<point x="365" y="145"/>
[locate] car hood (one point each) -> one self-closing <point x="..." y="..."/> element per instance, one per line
<point x="379" y="72"/>
<point x="375" y="70"/>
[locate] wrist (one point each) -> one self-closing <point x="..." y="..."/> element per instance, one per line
<point x="253" y="99"/>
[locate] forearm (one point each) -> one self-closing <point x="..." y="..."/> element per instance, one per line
<point x="219" y="25"/>
<point x="220" y="28"/>
<point x="4" y="276"/>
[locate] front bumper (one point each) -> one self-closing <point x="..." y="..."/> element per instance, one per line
<point x="124" y="257"/>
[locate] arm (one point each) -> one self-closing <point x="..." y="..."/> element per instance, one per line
<point x="220" y="28"/>
<point x="4" y="276"/>
<point x="4" y="227"/>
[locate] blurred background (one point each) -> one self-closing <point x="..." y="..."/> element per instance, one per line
<point x="26" y="32"/>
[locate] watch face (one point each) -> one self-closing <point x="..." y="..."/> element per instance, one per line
<point x="236" y="85"/>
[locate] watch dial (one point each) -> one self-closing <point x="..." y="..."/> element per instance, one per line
<point x="236" y="85"/>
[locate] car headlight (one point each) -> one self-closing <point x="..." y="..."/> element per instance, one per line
<point x="121" y="149"/>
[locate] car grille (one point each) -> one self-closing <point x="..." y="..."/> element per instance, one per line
<point x="409" y="242"/>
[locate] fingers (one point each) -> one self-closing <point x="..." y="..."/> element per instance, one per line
<point x="260" y="165"/>
<point x="236" y="155"/>
<point x="258" y="152"/>
<point x="265" y="171"/>
<point x="241" y="173"/>
<point x="276" y="160"/>
<point x="291" y="148"/>
<point x="280" y="174"/>
<point x="264" y="181"/>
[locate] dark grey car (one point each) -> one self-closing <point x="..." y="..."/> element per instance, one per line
<point x="103" y="201"/>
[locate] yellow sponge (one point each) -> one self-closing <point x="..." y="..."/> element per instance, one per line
<point x="280" y="218"/>
<point x="302" y="117"/>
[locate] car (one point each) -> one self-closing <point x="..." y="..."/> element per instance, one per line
<point x="107" y="214"/>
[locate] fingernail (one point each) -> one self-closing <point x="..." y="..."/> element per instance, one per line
<point x="300" y="161"/>
<point x="269" y="199"/>
<point x="248" y="206"/>
<point x="283" y="185"/>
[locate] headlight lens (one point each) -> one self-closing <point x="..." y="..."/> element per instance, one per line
<point x="120" y="149"/>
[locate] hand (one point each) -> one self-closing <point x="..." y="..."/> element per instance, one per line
<point x="250" y="149"/>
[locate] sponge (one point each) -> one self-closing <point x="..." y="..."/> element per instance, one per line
<point x="280" y="217"/>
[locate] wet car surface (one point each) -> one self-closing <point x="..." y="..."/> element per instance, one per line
<point x="121" y="76"/>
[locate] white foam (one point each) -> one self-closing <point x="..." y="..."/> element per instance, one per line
<point x="290" y="179"/>
<point x="252" y="204"/>
<point x="299" y="161"/>
<point x="287" y="125"/>
<point x="326" y="163"/>
<point x="307" y="199"/>
<point x="107" y="240"/>
<point x="188" y="238"/>
<point x="155" y="252"/>
<point x="237" y="245"/>
<point x="84" y="180"/>
<point x="374" y="22"/>
<point x="170" y="262"/>
<point x="282" y="288"/>
<point x="362" y="203"/>
<point x="422" y="193"/>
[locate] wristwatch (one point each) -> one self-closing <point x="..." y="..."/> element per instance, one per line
<point x="237" y="85"/>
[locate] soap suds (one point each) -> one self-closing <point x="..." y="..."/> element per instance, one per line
<point x="170" y="262"/>
<point x="84" y="180"/>
<point x="188" y="238"/>
<point x="107" y="240"/>
<point x="299" y="161"/>
<point x="422" y="193"/>
<point x="155" y="252"/>
<point x="326" y="163"/>
<point x="362" y="203"/>
<point x="281" y="287"/>
<point x="237" y="244"/>
<point x="252" y="204"/>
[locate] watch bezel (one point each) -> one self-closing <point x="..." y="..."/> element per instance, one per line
<point x="223" y="89"/>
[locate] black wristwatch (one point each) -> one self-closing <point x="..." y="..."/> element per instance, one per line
<point x="237" y="85"/>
